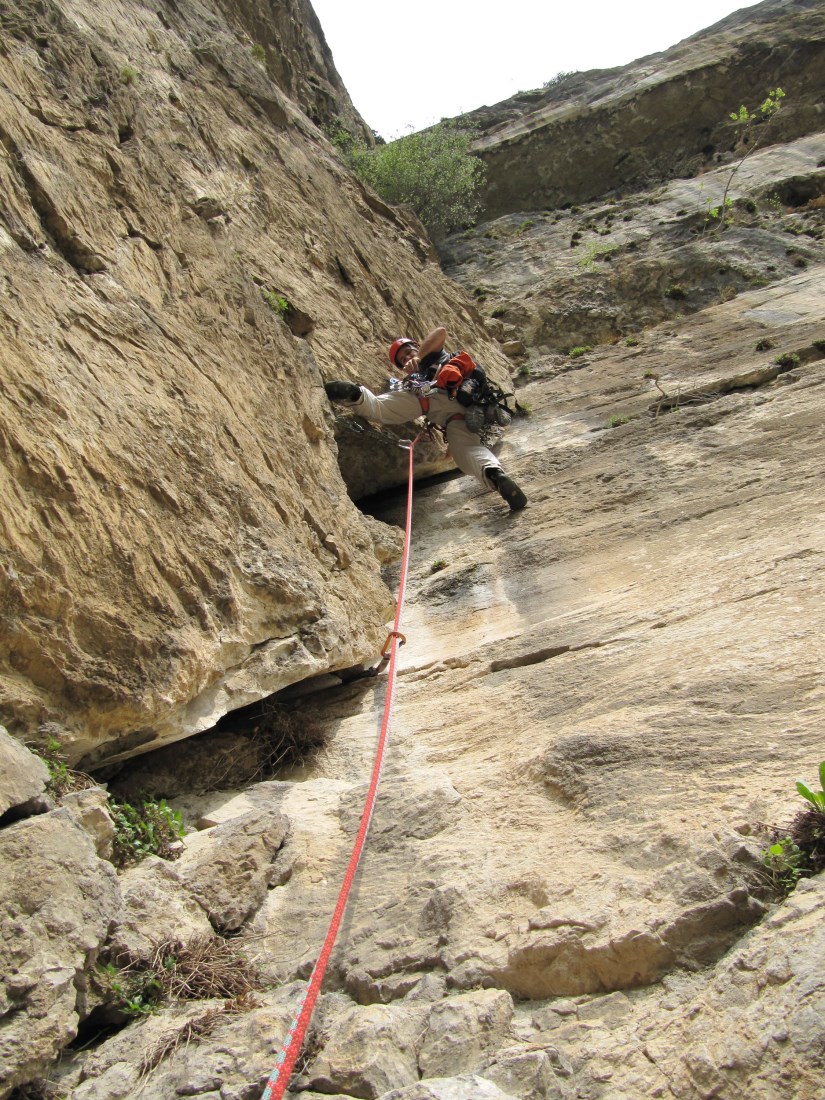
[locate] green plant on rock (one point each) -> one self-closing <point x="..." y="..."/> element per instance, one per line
<point x="129" y="74"/>
<point x="593" y="252"/>
<point x="341" y="138"/>
<point x="798" y="850"/>
<point x="258" y="53"/>
<point x="816" y="798"/>
<point x="438" y="565"/>
<point x="616" y="421"/>
<point x="276" y="302"/>
<point x="788" y="359"/>
<point x="580" y="350"/>
<point x="59" y="776"/>
<point x="149" y="828"/>
<point x="785" y="865"/>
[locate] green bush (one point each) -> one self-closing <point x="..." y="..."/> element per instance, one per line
<point x="432" y="170"/>
<point x="788" y="359"/>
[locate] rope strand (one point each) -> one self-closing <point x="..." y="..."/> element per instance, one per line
<point x="279" y="1078"/>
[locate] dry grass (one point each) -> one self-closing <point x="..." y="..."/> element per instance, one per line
<point x="196" y="1028"/>
<point x="205" y="968"/>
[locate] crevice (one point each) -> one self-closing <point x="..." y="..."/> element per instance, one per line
<point x="342" y="271"/>
<point x="540" y="655"/>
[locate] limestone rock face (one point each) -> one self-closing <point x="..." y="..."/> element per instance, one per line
<point x="184" y="261"/>
<point x="603" y="700"/>
<point x="665" y="115"/>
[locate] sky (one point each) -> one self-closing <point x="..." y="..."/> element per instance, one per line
<point x="406" y="66"/>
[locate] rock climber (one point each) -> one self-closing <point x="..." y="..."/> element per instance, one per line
<point x="451" y="392"/>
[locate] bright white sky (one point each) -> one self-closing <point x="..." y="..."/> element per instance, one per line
<point x="408" y="65"/>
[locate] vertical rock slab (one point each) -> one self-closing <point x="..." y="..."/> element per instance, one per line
<point x="57" y="901"/>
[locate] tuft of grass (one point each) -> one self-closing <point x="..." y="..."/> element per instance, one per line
<point x="579" y="351"/>
<point x="595" y="252"/>
<point x="438" y="565"/>
<point x="615" y="421"/>
<point x="206" y="968"/>
<point x="129" y="74"/>
<point x="258" y="53"/>
<point x="765" y="344"/>
<point x="62" y="779"/>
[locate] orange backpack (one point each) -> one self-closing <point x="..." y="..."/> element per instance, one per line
<point x="452" y="373"/>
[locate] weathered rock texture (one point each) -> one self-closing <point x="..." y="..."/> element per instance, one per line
<point x="184" y="260"/>
<point x="666" y="115"/>
<point x="603" y="701"/>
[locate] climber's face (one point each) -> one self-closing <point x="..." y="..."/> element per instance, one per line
<point x="407" y="358"/>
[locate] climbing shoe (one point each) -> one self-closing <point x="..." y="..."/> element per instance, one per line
<point x="506" y="487"/>
<point x="342" y="391"/>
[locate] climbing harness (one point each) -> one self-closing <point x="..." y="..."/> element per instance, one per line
<point x="278" y="1081"/>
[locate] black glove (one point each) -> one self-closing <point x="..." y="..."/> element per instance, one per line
<point x="342" y="391"/>
<point x="466" y="392"/>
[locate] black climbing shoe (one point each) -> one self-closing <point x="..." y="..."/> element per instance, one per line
<point x="506" y="487"/>
<point x="342" y="391"/>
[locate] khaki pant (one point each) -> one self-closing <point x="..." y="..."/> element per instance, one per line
<point x="401" y="406"/>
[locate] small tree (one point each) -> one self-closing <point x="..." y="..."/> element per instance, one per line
<point x="431" y="170"/>
<point x="745" y="136"/>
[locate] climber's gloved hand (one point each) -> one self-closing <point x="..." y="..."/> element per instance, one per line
<point x="342" y="391"/>
<point x="466" y="392"/>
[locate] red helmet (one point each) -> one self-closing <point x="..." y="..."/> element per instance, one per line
<point x="397" y="345"/>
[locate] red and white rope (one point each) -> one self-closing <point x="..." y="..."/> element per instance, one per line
<point x="279" y="1078"/>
